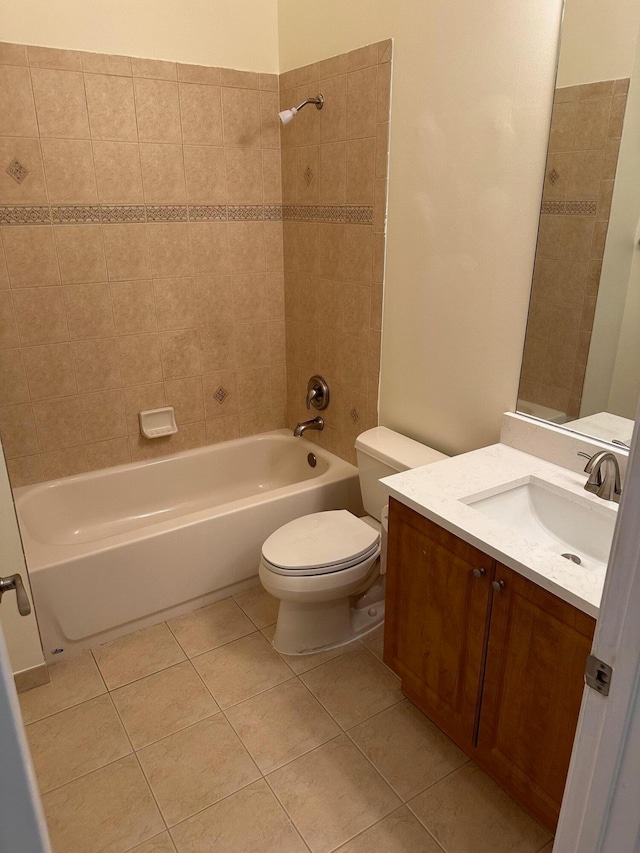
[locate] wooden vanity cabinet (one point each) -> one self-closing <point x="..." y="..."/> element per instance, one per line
<point x="499" y="670"/>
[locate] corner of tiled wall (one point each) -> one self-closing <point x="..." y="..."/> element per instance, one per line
<point x="141" y="258"/>
<point x="334" y="177"/>
<point x="584" y="142"/>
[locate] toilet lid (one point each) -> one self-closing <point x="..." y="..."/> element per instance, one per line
<point x="322" y="539"/>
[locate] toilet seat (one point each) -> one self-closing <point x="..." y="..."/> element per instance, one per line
<point x="320" y="543"/>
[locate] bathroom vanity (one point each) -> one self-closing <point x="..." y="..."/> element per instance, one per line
<point x="490" y="629"/>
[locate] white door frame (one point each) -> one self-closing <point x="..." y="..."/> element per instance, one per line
<point x="601" y="807"/>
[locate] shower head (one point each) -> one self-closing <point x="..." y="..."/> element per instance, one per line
<point x="288" y="115"/>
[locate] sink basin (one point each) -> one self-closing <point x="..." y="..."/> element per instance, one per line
<point x="555" y="518"/>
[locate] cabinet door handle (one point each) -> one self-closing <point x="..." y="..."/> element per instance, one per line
<point x="479" y="572"/>
<point x="497" y="585"/>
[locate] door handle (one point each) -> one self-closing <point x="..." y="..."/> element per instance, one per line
<point x="15" y="582"/>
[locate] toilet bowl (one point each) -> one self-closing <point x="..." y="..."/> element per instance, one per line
<point x="325" y="568"/>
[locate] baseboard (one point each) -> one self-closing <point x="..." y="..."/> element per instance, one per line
<point x="30" y="678"/>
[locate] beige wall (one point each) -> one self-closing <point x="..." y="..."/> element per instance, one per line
<point x="471" y="100"/>
<point x="231" y="33"/>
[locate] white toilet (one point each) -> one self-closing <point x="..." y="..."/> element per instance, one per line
<point x="327" y="568"/>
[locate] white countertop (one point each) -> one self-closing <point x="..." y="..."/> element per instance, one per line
<point x="436" y="491"/>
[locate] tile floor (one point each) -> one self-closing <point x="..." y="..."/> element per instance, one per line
<point x="195" y="736"/>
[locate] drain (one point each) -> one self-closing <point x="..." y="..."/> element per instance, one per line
<point x="574" y="558"/>
<point x="311" y="459"/>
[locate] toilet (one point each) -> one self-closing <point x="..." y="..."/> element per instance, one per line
<point x="327" y="568"/>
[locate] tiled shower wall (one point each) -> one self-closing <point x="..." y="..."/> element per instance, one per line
<point x="334" y="177"/>
<point x="586" y="128"/>
<point x="143" y="265"/>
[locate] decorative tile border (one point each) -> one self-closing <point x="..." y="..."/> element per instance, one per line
<point x="74" y="214"/>
<point x="571" y="208"/>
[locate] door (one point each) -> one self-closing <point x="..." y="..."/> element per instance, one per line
<point x="533" y="684"/>
<point x="436" y="620"/>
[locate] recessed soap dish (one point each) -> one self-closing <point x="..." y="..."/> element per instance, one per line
<point x="156" y="423"/>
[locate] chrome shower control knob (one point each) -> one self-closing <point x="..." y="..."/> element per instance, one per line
<point x="479" y="572"/>
<point x="497" y="585"/>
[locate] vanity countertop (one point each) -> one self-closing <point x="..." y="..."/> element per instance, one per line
<point x="437" y="491"/>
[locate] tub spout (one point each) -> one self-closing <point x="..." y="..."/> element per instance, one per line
<point x="315" y="423"/>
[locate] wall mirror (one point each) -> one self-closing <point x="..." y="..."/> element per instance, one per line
<point x="581" y="362"/>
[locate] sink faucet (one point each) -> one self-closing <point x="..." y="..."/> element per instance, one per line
<point x="315" y="423"/>
<point x="604" y="475"/>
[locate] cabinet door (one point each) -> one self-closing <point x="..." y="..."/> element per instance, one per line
<point x="436" y="620"/>
<point x="538" y="648"/>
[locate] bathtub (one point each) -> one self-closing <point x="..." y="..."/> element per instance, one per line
<point x="123" y="548"/>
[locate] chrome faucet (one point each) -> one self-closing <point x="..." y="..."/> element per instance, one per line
<point x="604" y="475"/>
<point x="315" y="423"/>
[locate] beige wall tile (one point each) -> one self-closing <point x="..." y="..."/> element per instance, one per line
<point x="64" y="463"/>
<point x="269" y="122"/>
<point x="250" y="301"/>
<point x="241" y="118"/>
<point x="360" y="171"/>
<point x="88" y="308"/>
<point x="133" y="306"/>
<point x="69" y="171"/>
<point x="50" y="371"/>
<point x="176" y="303"/>
<point x="157" y="69"/>
<point x="333" y="116"/>
<point x="383" y="92"/>
<point x="210" y="248"/>
<point x="117" y="789"/>
<point x="118" y="174"/>
<point x="51" y="57"/>
<point x="18" y="431"/>
<point x="24" y="471"/>
<point x="188" y="437"/>
<point x="199" y="74"/>
<point x="127" y="251"/>
<point x="217" y="347"/>
<point x="13" y="380"/>
<point x="80" y="253"/>
<point x="247" y="247"/>
<point x="215" y="299"/>
<point x="106" y="63"/>
<point x="157" y="110"/>
<point x="223" y="429"/>
<point x="252" y="344"/>
<point x="253" y="389"/>
<point x="104" y="454"/>
<point x="8" y="326"/>
<point x="215" y="408"/>
<point x="32" y="190"/>
<point x="13" y="54"/>
<point x="103" y="415"/>
<point x="58" y="423"/>
<point x="97" y="364"/>
<point x="244" y="175"/>
<point x="61" y="105"/>
<point x="239" y="79"/>
<point x="138" y="398"/>
<point x="358" y="253"/>
<point x="362" y="103"/>
<point x="271" y="177"/>
<point x="139" y="359"/>
<point x="30" y="256"/>
<point x="201" y="114"/>
<point x="40" y="315"/>
<point x="273" y="246"/>
<point x="185" y="395"/>
<point x="333" y="173"/>
<point x="205" y="174"/>
<point x="17" y="109"/>
<point x="111" y="106"/>
<point x="180" y="351"/>
<point x="169" y="248"/>
<point x="163" y="174"/>
<point x="363" y="57"/>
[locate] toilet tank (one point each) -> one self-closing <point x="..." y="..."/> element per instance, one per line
<point x="382" y="452"/>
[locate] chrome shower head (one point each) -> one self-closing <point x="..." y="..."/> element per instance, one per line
<point x="288" y="115"/>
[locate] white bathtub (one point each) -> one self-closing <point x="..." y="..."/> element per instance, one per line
<point x="116" y="550"/>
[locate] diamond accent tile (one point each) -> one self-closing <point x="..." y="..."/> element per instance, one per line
<point x="555" y="208"/>
<point x="220" y="394"/>
<point x="207" y="212"/>
<point x="244" y="212"/>
<point x="355" y="416"/>
<point x="167" y="213"/>
<point x="272" y="211"/>
<point x="123" y="213"/>
<point x="17" y="171"/>
<point x="553" y="176"/>
<point x="581" y="208"/>
<point x="359" y="215"/>
<point x="308" y="176"/>
<point x="73" y="214"/>
<point x="38" y="215"/>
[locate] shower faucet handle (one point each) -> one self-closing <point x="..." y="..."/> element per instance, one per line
<point x="317" y="393"/>
<point x="15" y="582"/>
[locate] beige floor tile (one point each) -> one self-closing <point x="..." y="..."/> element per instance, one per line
<point x="163" y="703"/>
<point x="211" y="627"/>
<point x="259" y="606"/>
<point x="159" y="844"/>
<point x="137" y="655"/>
<point x="303" y="663"/>
<point x="250" y="821"/>
<point x="72" y="681"/>
<point x="241" y="669"/>
<point x="406" y="747"/>
<point x="354" y="687"/>
<point x="76" y="741"/>
<point x="282" y="724"/>
<point x="108" y="811"/>
<point x="401" y="832"/>
<point x="196" y="767"/>
<point x="376" y="646"/>
<point x="332" y="794"/>
<point x="468" y="813"/>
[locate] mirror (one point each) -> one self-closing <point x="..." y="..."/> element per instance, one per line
<point x="581" y="361"/>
